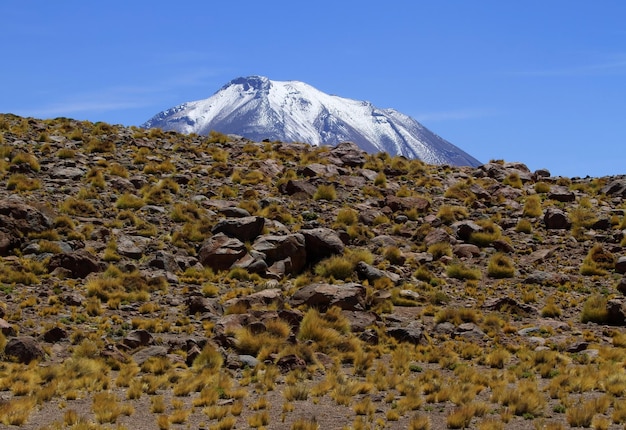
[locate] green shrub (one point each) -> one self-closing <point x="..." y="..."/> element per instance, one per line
<point x="380" y="180"/>
<point x="594" y="310"/>
<point x="78" y="207"/>
<point x="460" y="191"/>
<point x="489" y="233"/>
<point x="217" y="137"/>
<point x="346" y="217"/>
<point x="337" y="267"/>
<point x="597" y="261"/>
<point x="550" y="310"/>
<point x="513" y="180"/>
<point x="129" y="201"/>
<point x="394" y="255"/>
<point x="458" y="270"/>
<point x="449" y="214"/>
<point x="21" y="182"/>
<point x="542" y="187"/>
<point x="524" y="226"/>
<point x="500" y="266"/>
<point x="325" y="192"/>
<point x="342" y="266"/>
<point x="532" y="207"/>
<point x="25" y="159"/>
<point x="440" y="249"/>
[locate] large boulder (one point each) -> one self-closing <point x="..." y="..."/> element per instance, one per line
<point x="276" y="249"/>
<point x="349" y="296"/>
<point x="561" y="194"/>
<point x="220" y="252"/>
<point x="321" y="170"/>
<point x="620" y="265"/>
<point x="371" y="273"/>
<point x="165" y="261"/>
<point x="17" y="219"/>
<point x="245" y="229"/>
<point x="616" y="312"/>
<point x="261" y="298"/>
<point x="348" y="154"/>
<point x="556" y="219"/>
<point x="301" y="187"/>
<point x="137" y="338"/>
<point x="464" y="229"/>
<point x="16" y="215"/>
<point x="132" y="246"/>
<point x="321" y="243"/>
<point x="411" y="333"/>
<point x="615" y="188"/>
<point x="79" y="264"/>
<point x="438" y="235"/>
<point x="407" y="203"/>
<point x="24" y="349"/>
<point x="200" y="304"/>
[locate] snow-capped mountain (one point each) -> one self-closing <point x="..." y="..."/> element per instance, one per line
<point x="291" y="111"/>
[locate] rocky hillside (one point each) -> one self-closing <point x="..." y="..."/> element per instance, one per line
<point x="155" y="280"/>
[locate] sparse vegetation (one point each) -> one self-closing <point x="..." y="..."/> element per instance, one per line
<point x="108" y="269"/>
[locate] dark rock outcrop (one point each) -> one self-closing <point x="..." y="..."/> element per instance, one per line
<point x="349" y="296"/>
<point x="24" y="349"/>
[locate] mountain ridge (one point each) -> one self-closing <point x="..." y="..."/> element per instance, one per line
<point x="259" y="108"/>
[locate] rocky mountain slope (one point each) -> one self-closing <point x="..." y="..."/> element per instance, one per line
<point x="152" y="279"/>
<point x="292" y="111"/>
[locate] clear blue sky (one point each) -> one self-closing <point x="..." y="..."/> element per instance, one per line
<point x="541" y="82"/>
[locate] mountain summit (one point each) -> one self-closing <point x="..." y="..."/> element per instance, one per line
<point x="258" y="108"/>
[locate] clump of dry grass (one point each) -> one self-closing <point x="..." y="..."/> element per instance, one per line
<point x="459" y="270"/>
<point x="500" y="266"/>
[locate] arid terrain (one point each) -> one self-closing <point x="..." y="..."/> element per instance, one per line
<point x="153" y="280"/>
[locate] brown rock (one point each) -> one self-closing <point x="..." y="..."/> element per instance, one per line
<point x="281" y="248"/>
<point x="620" y="265"/>
<point x="321" y="243"/>
<point x="16" y="215"/>
<point x="621" y="286"/>
<point x="317" y="169"/>
<point x="298" y="187"/>
<point x="132" y="246"/>
<point x="79" y="264"/>
<point x="219" y="252"/>
<point x="349" y="296"/>
<point x="201" y="305"/>
<point x="55" y="334"/>
<point x="407" y="203"/>
<point x="262" y="298"/>
<point x="556" y="219"/>
<point x="438" y="235"/>
<point x="411" y="333"/>
<point x="245" y="229"/>
<point x="616" y="311"/>
<point x="6" y="328"/>
<point x="466" y="250"/>
<point x="360" y="320"/>
<point x="349" y="154"/>
<point x="290" y="363"/>
<point x="143" y="355"/>
<point x="24" y="349"/>
<point x="137" y="338"/>
<point x="615" y="188"/>
<point x="561" y="194"/>
<point x="464" y="229"/>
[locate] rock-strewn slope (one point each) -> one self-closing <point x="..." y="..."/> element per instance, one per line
<point x="222" y="283"/>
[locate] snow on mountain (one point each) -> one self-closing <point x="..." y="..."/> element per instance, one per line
<point x="291" y="111"/>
